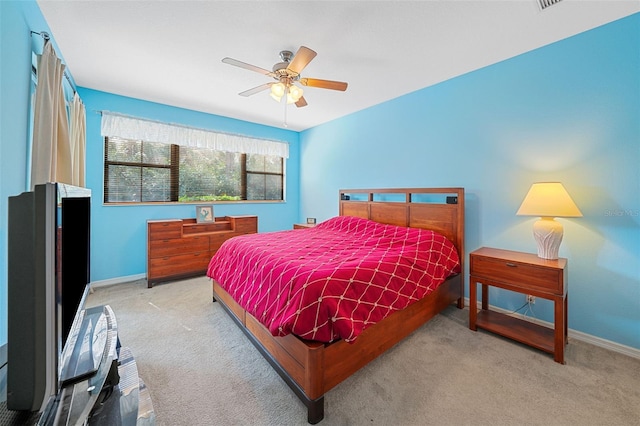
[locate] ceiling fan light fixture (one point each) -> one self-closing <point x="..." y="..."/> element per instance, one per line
<point x="286" y="73"/>
<point x="276" y="97"/>
<point x="294" y="94"/>
<point x="277" y="91"/>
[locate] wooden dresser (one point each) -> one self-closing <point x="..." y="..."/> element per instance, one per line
<point x="180" y="248"/>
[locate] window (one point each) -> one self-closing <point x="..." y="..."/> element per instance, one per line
<point x="141" y="172"/>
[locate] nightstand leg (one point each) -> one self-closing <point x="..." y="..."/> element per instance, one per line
<point x="566" y="320"/>
<point x="485" y="297"/>
<point x="560" y="328"/>
<point x="473" y="303"/>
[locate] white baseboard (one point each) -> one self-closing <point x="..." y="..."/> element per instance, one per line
<point x="574" y="334"/>
<point x="119" y="280"/>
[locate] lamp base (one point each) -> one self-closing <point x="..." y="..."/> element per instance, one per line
<point x="548" y="235"/>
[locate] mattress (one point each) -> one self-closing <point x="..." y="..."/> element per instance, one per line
<point x="334" y="280"/>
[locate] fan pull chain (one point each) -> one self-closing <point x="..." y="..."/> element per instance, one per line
<point x="285" y="109"/>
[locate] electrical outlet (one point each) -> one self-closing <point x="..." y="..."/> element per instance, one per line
<point x="531" y="299"/>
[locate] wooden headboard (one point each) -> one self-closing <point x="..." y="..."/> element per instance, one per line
<point x="437" y="209"/>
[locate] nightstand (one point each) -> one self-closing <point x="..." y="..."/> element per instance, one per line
<point x="303" y="225"/>
<point x="527" y="274"/>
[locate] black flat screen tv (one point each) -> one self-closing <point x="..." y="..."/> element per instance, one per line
<point x="48" y="282"/>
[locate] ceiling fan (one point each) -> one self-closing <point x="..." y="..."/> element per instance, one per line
<point x="286" y="73"/>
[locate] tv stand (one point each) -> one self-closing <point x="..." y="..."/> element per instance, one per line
<point x="99" y="378"/>
<point x="130" y="392"/>
<point x="99" y="383"/>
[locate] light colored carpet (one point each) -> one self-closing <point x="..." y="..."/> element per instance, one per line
<point x="201" y="370"/>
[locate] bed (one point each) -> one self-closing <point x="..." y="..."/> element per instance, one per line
<point x="315" y="363"/>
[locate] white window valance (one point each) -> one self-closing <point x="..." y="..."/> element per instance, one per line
<point x="116" y="125"/>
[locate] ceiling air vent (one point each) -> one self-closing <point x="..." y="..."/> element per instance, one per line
<point x="546" y="3"/>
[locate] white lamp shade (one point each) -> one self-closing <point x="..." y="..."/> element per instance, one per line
<point x="548" y="199"/>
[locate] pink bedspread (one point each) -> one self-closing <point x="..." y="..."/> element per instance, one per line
<point x="335" y="279"/>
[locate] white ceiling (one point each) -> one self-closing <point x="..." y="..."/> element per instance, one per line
<point x="170" y="51"/>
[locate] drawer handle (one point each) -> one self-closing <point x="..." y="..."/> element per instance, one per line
<point x="511" y="265"/>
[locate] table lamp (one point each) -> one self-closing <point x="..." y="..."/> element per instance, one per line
<point x="548" y="200"/>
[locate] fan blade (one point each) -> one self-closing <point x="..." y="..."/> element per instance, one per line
<point x="255" y="89"/>
<point x="301" y="102"/>
<point x="324" y="84"/>
<point x="303" y="56"/>
<point x="246" y="66"/>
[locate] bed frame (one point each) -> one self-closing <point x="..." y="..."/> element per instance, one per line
<point x="311" y="369"/>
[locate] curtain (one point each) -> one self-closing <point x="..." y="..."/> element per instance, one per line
<point x="116" y="125"/>
<point x="51" y="153"/>
<point x="77" y="140"/>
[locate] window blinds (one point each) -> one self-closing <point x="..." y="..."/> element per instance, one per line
<point x="117" y="125"/>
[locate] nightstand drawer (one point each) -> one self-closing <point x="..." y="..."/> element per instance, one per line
<point x="546" y="279"/>
<point x="303" y="225"/>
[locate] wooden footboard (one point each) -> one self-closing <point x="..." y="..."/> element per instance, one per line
<point x="311" y="368"/>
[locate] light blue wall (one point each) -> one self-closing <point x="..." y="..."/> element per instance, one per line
<point x="567" y="112"/>
<point x="119" y="233"/>
<point x="17" y="20"/>
<point x="118" y="247"/>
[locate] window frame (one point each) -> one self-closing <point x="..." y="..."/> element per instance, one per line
<point x="174" y="168"/>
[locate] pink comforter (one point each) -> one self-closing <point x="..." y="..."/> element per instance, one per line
<point x="335" y="279"/>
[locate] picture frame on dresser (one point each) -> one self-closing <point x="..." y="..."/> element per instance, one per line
<point x="204" y="214"/>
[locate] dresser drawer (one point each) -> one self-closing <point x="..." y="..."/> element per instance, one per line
<point x="513" y="272"/>
<point x="246" y="225"/>
<point x="181" y="264"/>
<point x="215" y="241"/>
<point x="165" y="230"/>
<point x="171" y="247"/>
<point x="202" y="228"/>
